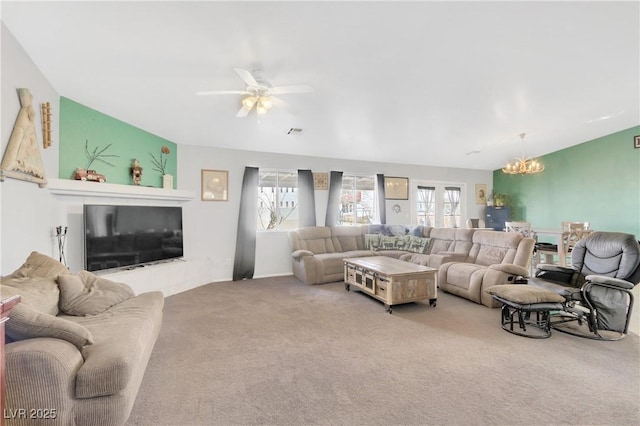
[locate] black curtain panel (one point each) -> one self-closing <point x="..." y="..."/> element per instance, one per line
<point x="306" y="199"/>
<point x="335" y="187"/>
<point x="245" y="260"/>
<point x="382" y="205"/>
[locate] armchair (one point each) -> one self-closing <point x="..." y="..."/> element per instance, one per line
<point x="605" y="266"/>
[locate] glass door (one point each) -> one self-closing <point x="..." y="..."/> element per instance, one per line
<point x="438" y="204"/>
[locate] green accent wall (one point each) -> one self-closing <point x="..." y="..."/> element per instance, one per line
<point x="79" y="124"/>
<point x="597" y="181"/>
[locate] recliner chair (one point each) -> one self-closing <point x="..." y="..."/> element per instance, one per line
<point x="605" y="267"/>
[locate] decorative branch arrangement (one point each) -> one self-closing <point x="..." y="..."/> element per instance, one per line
<point x="97" y="155"/>
<point x="160" y="164"/>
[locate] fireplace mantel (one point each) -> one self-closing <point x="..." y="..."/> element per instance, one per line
<point x="78" y="188"/>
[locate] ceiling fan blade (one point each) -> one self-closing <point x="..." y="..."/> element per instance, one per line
<point x="243" y="112"/>
<point x="247" y="77"/>
<point x="296" y="88"/>
<point x="222" y="92"/>
<point x="282" y="104"/>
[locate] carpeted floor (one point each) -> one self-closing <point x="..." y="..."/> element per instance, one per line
<point x="277" y="352"/>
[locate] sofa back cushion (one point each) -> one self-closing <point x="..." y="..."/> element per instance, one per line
<point x="40" y="294"/>
<point x="441" y="240"/>
<point x="463" y="241"/>
<point x="39" y="265"/>
<point x="494" y="247"/>
<point x="316" y="239"/>
<point x="347" y="238"/>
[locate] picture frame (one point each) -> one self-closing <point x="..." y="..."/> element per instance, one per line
<point x="636" y="141"/>
<point x="396" y="188"/>
<point x="481" y="193"/>
<point x="321" y="181"/>
<point x="215" y="185"/>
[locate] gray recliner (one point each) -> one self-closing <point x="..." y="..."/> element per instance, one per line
<point x="597" y="287"/>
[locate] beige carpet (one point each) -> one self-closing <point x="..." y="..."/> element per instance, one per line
<point x="277" y="352"/>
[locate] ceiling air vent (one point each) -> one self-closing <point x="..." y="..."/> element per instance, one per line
<point x="294" y="131"/>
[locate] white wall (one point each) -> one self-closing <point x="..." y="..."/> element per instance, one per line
<point x="29" y="213"/>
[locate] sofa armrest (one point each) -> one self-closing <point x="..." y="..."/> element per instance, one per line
<point x="41" y="372"/>
<point x="553" y="268"/>
<point x="609" y="281"/>
<point x="509" y="268"/>
<point x="556" y="273"/>
<point x="299" y="254"/>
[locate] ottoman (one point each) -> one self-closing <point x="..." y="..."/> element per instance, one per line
<point x="530" y="306"/>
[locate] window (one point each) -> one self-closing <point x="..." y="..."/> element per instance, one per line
<point x="426" y="205"/>
<point x="277" y="200"/>
<point x="452" y="206"/>
<point x="357" y="200"/>
<point x="439" y="204"/>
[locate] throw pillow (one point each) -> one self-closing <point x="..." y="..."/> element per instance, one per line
<point x="41" y="266"/>
<point x="387" y="243"/>
<point x="87" y="294"/>
<point x="28" y="323"/>
<point x="419" y="244"/>
<point x="372" y="241"/>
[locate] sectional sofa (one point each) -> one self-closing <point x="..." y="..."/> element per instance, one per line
<point x="468" y="260"/>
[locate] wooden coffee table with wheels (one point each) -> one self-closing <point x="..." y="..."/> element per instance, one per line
<point x="390" y="280"/>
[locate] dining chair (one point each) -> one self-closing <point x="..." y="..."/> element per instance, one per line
<point x="523" y="228"/>
<point x="572" y="232"/>
<point x="475" y="223"/>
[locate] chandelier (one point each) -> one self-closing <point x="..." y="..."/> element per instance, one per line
<point x="523" y="165"/>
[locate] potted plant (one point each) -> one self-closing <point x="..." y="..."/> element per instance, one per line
<point x="498" y="199"/>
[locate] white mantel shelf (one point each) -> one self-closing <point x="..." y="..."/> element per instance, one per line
<point x="80" y="188"/>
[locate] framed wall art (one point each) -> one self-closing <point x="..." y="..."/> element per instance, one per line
<point x="215" y="185"/>
<point x="396" y="188"/>
<point x="321" y="181"/>
<point x="636" y="141"/>
<point x="481" y="193"/>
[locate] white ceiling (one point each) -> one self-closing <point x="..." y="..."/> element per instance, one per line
<point x="412" y="82"/>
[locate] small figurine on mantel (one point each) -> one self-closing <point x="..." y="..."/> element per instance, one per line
<point x="136" y="172"/>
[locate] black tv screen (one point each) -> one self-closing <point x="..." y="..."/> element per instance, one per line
<point x="122" y="236"/>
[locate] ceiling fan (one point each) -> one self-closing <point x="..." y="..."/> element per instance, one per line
<point x="259" y="92"/>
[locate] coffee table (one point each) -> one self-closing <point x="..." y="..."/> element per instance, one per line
<point x="390" y="280"/>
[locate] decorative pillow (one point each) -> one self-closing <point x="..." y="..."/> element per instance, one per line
<point x="419" y="244"/>
<point x="87" y="294"/>
<point x="372" y="241"/>
<point x="38" y="265"/>
<point x="393" y="243"/>
<point x="524" y="294"/>
<point x="26" y="323"/>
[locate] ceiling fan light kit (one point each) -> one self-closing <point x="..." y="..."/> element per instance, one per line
<point x="259" y="93"/>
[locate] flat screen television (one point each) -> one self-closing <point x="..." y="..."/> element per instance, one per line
<point x="127" y="236"/>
